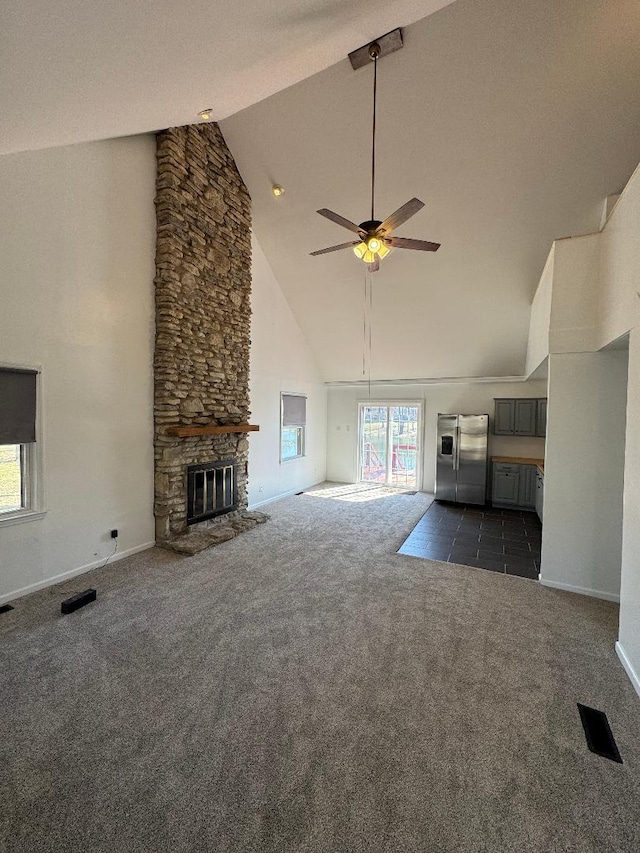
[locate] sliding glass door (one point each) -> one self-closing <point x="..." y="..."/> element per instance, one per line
<point x="389" y="444"/>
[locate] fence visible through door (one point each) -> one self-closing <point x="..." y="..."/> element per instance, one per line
<point x="389" y="444"/>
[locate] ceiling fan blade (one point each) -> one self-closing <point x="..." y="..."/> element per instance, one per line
<point x="409" y="243"/>
<point x="375" y="266"/>
<point x="340" y="220"/>
<point x="401" y="215"/>
<point x="336" y="248"/>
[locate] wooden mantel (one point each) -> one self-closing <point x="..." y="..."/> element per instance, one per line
<point x="187" y="431"/>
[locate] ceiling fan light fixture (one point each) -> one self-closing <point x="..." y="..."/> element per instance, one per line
<point x="374" y="237"/>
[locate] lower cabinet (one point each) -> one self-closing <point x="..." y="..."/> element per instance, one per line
<point x="527" y="486"/>
<point x="514" y="485"/>
<point x="506" y="484"/>
<point x="539" y="493"/>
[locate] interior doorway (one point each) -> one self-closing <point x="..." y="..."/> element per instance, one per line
<point x="389" y="444"/>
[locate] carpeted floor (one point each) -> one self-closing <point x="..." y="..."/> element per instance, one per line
<point x="304" y="688"/>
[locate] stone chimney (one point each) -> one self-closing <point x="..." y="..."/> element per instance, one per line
<point x="203" y="288"/>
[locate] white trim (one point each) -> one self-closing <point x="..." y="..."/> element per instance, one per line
<point x="581" y="590"/>
<point x="20" y="516"/>
<point x="430" y="380"/>
<point x="282" y="495"/>
<point x="97" y="564"/>
<point x="626" y="663"/>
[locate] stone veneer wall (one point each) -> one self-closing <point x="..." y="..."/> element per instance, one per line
<point x="203" y="287"/>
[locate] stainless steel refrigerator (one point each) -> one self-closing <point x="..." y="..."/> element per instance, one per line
<point x="461" y="459"/>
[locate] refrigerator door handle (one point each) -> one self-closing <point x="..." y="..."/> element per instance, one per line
<point x="456" y="457"/>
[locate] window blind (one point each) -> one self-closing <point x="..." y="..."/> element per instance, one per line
<point x="294" y="410"/>
<point x="17" y="406"/>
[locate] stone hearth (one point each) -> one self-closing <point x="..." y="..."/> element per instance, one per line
<point x="203" y="315"/>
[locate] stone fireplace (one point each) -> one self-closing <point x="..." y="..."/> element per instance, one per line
<point x="203" y="288"/>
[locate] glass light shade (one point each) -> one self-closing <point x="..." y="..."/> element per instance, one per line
<point x="383" y="251"/>
<point x="374" y="244"/>
<point x="369" y="257"/>
<point x="359" y="250"/>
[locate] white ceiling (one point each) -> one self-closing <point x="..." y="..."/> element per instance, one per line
<point x="76" y="70"/>
<point x="511" y="119"/>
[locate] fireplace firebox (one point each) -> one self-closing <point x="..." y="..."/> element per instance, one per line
<point x="212" y="490"/>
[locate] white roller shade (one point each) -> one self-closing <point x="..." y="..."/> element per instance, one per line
<point x="294" y="410"/>
<point x="17" y="406"/>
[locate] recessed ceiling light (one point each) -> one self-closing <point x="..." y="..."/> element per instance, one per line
<point x="277" y="190"/>
<point x="206" y="115"/>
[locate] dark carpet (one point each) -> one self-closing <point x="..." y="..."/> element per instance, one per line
<point x="304" y="688"/>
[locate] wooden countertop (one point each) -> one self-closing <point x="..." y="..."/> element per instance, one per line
<point x="520" y="460"/>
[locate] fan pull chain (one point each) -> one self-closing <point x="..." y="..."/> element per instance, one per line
<point x="364" y="328"/>
<point x="370" y="324"/>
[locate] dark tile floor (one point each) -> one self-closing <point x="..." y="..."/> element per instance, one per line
<point x="500" y="540"/>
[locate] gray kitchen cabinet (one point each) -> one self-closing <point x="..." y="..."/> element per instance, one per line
<point x="539" y="493"/>
<point x="506" y="484"/>
<point x="505" y="417"/>
<point x="541" y="424"/>
<point x="527" y="490"/>
<point x="526" y="415"/>
<point x="520" y="416"/>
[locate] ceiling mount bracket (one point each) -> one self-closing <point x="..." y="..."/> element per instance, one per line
<point x="388" y="43"/>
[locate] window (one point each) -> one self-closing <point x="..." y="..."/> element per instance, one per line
<point x="17" y="442"/>
<point x="293" y="426"/>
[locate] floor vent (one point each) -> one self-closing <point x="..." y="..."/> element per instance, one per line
<point x="5" y="608"/>
<point x="77" y="601"/>
<point x="598" y="733"/>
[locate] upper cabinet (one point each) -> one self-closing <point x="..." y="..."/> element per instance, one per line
<point x="541" y="428"/>
<point x="505" y="417"/>
<point x="520" y="416"/>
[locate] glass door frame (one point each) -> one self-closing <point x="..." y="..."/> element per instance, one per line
<point x="389" y="404"/>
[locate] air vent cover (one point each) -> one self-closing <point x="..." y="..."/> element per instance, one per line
<point x="598" y="733"/>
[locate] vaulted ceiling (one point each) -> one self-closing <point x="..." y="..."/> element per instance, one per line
<point x="511" y="119"/>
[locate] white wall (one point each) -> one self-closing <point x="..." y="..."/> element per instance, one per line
<point x="540" y="319"/>
<point x="77" y="238"/>
<point x="629" y="632"/>
<point x="595" y="302"/>
<point x="462" y="398"/>
<point x="584" y="472"/>
<point x="574" y="296"/>
<point x="281" y="361"/>
<point x="619" y="259"/>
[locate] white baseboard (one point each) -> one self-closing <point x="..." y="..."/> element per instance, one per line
<point x="626" y="663"/>
<point x="283" y="495"/>
<point x="581" y="590"/>
<point x="72" y="573"/>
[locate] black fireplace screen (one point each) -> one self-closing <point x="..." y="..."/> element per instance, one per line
<point x="212" y="490"/>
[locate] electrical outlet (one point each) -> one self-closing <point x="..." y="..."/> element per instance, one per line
<point x="114" y="533"/>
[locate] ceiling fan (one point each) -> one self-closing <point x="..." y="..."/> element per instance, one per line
<point x="374" y="236"/>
